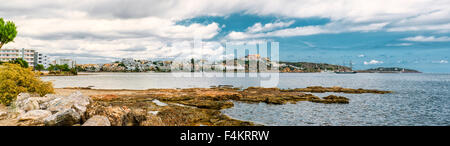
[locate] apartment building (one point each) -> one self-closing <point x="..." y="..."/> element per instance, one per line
<point x="62" y="61"/>
<point x="12" y="54"/>
<point x="42" y="59"/>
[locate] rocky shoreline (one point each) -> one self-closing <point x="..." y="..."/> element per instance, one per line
<point x="154" y="107"/>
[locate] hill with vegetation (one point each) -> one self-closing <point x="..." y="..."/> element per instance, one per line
<point x="310" y="67"/>
<point x="388" y="70"/>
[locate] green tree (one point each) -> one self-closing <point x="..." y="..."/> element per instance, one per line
<point x="63" y="67"/>
<point x="52" y="67"/>
<point x="39" y="67"/>
<point x="7" y="32"/>
<point x="20" y="61"/>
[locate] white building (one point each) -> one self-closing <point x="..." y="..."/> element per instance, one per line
<point x="62" y="61"/>
<point x="13" y="54"/>
<point x="43" y="59"/>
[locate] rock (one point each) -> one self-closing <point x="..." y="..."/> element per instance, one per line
<point x="22" y="96"/>
<point x="67" y="117"/>
<point x="320" y="89"/>
<point x="332" y="99"/>
<point x="3" y="112"/>
<point x="34" y="117"/>
<point x="117" y="115"/>
<point x="159" y="103"/>
<point x="3" y="115"/>
<point x="97" y="121"/>
<point x="63" y="103"/>
<point x="153" y="112"/>
<point x="23" y="102"/>
<point x="43" y="101"/>
<point x="28" y="104"/>
<point x="151" y="120"/>
<point x="81" y="110"/>
<point x="209" y="104"/>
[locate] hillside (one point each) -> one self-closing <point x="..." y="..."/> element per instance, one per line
<point x="310" y="67"/>
<point x="388" y="70"/>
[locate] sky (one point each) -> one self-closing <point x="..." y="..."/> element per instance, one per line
<point x="370" y="33"/>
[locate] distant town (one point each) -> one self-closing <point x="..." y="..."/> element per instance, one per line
<point x="249" y="63"/>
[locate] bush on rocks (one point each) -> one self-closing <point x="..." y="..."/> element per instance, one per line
<point x="15" y="79"/>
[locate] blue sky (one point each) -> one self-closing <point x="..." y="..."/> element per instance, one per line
<point x="402" y="33"/>
<point x="390" y="49"/>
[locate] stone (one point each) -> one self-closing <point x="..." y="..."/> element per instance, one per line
<point x="22" y="96"/>
<point x="97" y="121"/>
<point x="3" y="112"/>
<point x="3" y="115"/>
<point x="63" y="103"/>
<point x="153" y="112"/>
<point x="22" y="102"/>
<point x="117" y="115"/>
<point x="44" y="101"/>
<point x="159" y="103"/>
<point x="67" y="117"/>
<point x="33" y="117"/>
<point x="81" y="110"/>
<point x="28" y="104"/>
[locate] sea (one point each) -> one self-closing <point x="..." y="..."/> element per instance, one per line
<point x="418" y="99"/>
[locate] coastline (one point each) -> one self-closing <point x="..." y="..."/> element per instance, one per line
<point x="182" y="107"/>
<point x="202" y="106"/>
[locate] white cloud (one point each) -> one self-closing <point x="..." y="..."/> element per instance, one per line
<point x="428" y="39"/>
<point x="400" y="44"/>
<point x="333" y="27"/>
<point x="115" y="28"/>
<point x="373" y="62"/>
<point x="258" y="27"/>
<point x="441" y="61"/>
<point x="108" y="26"/>
<point x="297" y="31"/>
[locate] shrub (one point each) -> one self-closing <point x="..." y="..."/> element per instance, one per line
<point x="14" y="80"/>
<point x="20" y="61"/>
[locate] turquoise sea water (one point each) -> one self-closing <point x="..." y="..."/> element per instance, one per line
<point x="418" y="99"/>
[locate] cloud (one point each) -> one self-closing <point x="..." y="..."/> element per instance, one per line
<point x="136" y="49"/>
<point x="427" y="39"/>
<point x="400" y="44"/>
<point x="107" y="27"/>
<point x="258" y="27"/>
<point x="333" y="27"/>
<point x="297" y="31"/>
<point x="441" y="61"/>
<point x="104" y="28"/>
<point x="373" y="62"/>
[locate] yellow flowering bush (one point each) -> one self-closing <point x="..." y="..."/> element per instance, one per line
<point x="15" y="79"/>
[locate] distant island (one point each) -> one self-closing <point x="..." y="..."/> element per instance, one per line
<point x="388" y="70"/>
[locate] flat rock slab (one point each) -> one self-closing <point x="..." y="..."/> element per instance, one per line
<point x="66" y="117"/>
<point x="97" y="121"/>
<point x="35" y="115"/>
